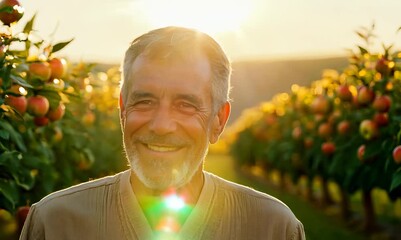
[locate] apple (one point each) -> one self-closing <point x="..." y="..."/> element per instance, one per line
<point x="58" y="67"/>
<point x="361" y="153"/>
<point x="344" y="93"/>
<point x="19" y="103"/>
<point x="320" y="105"/>
<point x="365" y="95"/>
<point x="381" y="119"/>
<point x="368" y="129"/>
<point x="382" y="103"/>
<point x="21" y="215"/>
<point x="16" y="13"/>
<point x="38" y="105"/>
<point x="397" y="154"/>
<point x="382" y="66"/>
<point x="40" y="70"/>
<point x="57" y="113"/>
<point x="41" y="121"/>
<point x="308" y="142"/>
<point x="343" y="127"/>
<point x="296" y="133"/>
<point x="325" y="130"/>
<point x="89" y="118"/>
<point x="328" y="148"/>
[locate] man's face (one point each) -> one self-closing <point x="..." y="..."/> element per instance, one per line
<point x="167" y="120"/>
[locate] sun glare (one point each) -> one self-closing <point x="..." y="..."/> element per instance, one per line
<point x="210" y="16"/>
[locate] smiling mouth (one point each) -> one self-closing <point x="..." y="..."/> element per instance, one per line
<point x="158" y="148"/>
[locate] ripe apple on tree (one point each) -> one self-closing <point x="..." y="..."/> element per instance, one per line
<point x="344" y="93"/>
<point x="56" y="113"/>
<point x="368" y="129"/>
<point x="381" y="119"/>
<point x="382" y="103"/>
<point x="344" y="127"/>
<point x="40" y="70"/>
<point x="13" y="13"/>
<point x="365" y="95"/>
<point x="321" y="105"/>
<point x="328" y="148"/>
<point x="382" y="66"/>
<point x="325" y="130"/>
<point x="19" y="103"/>
<point x="21" y="215"/>
<point x="397" y="154"/>
<point x="58" y="67"/>
<point x="361" y="153"/>
<point x="38" y="105"/>
<point x="41" y="121"/>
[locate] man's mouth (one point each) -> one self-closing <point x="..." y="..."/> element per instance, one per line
<point x="159" y="148"/>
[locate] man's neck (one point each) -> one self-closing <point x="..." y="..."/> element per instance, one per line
<point x="179" y="202"/>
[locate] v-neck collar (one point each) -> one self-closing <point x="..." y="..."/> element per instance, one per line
<point x="139" y="225"/>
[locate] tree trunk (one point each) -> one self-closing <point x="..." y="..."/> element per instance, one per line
<point x="326" y="197"/>
<point x="370" y="218"/>
<point x="309" y="190"/>
<point x="345" y="205"/>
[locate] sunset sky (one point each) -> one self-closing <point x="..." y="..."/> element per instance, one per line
<point x="247" y="29"/>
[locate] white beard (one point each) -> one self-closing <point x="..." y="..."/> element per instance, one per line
<point x="166" y="176"/>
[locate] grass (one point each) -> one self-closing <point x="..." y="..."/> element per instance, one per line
<point x="317" y="224"/>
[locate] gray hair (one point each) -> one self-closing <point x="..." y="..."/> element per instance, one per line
<point x="180" y="43"/>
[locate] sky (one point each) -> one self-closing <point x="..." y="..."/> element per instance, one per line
<point x="246" y="29"/>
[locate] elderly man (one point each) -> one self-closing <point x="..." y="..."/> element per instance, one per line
<point x="174" y="102"/>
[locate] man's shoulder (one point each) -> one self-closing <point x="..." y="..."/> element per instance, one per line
<point x="81" y="190"/>
<point x="246" y="194"/>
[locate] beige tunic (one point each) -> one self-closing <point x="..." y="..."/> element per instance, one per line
<point x="108" y="209"/>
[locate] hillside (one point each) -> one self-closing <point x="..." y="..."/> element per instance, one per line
<point x="257" y="81"/>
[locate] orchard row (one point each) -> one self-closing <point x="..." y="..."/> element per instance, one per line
<point x="345" y="127"/>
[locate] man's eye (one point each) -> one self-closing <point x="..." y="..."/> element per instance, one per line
<point x="144" y="104"/>
<point x="187" y="108"/>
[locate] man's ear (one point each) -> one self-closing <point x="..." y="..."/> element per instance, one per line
<point x="122" y="110"/>
<point x="219" y="122"/>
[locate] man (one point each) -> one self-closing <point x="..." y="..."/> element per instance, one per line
<point x="174" y="102"/>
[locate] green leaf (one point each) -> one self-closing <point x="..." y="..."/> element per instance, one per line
<point x="362" y="50"/>
<point x="57" y="47"/>
<point x="395" y="187"/>
<point x="19" y="80"/>
<point x="14" y="135"/>
<point x="9" y="190"/>
<point x="29" y="25"/>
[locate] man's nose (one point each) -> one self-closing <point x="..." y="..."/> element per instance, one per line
<point x="163" y="121"/>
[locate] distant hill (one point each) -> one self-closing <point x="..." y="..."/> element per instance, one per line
<point x="256" y="81"/>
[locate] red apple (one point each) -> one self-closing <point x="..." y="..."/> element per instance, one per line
<point x="381" y="119"/>
<point x="365" y="95"/>
<point x="308" y="142"/>
<point x="361" y="153"/>
<point x="21" y="215"/>
<point x="368" y="129"/>
<point x="58" y="67"/>
<point x="41" y="121"/>
<point x="344" y="93"/>
<point x="325" y="130"/>
<point x="38" y="106"/>
<point x="16" y="12"/>
<point x="382" y="66"/>
<point x="328" y="148"/>
<point x="382" y="103"/>
<point x="343" y="127"/>
<point x="40" y="70"/>
<point x="296" y="133"/>
<point x="397" y="154"/>
<point x="321" y="105"/>
<point x="57" y="113"/>
<point x="18" y="103"/>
